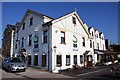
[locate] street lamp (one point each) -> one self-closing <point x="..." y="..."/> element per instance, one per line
<point x="55" y="71"/>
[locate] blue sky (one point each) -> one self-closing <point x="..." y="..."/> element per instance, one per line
<point x="102" y="16"/>
<point x="0" y="22"/>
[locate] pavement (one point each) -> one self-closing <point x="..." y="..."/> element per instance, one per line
<point x="37" y="73"/>
<point x="33" y="74"/>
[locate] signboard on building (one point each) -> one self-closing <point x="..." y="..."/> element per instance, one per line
<point x="75" y="40"/>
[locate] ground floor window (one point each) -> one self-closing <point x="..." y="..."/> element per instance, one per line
<point x="29" y="59"/>
<point x="59" y="60"/>
<point x="36" y="60"/>
<point x="43" y="60"/>
<point x="67" y="60"/>
<point x="81" y="59"/>
<point x="75" y="59"/>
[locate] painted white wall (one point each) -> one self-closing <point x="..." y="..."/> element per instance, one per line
<point x="37" y="25"/>
<point x="67" y="25"/>
<point x="54" y="32"/>
<point x="97" y="40"/>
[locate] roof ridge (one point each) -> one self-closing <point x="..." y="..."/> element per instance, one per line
<point x="39" y="13"/>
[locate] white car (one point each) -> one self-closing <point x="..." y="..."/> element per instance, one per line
<point x="14" y="64"/>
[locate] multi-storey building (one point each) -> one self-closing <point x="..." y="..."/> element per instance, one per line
<point x="57" y="44"/>
<point x="7" y="41"/>
<point x="98" y="44"/>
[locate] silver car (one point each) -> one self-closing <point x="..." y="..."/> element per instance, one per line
<point x="14" y="64"/>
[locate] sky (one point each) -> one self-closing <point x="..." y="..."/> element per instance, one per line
<point x="101" y="15"/>
<point x="0" y="23"/>
<point x="61" y="0"/>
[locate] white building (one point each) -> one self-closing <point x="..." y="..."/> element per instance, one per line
<point x="57" y="44"/>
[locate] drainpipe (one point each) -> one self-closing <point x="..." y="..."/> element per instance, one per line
<point x="48" y="48"/>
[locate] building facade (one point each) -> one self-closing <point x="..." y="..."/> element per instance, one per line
<point x="8" y="41"/>
<point x="57" y="44"/>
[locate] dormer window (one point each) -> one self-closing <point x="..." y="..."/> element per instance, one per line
<point x="31" y="21"/>
<point x="97" y="35"/>
<point x="102" y="38"/>
<point x="92" y="33"/>
<point x="74" y="20"/>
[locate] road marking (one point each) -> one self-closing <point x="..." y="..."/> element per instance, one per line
<point x="91" y="72"/>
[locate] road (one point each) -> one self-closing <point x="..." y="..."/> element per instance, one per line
<point x="95" y="73"/>
<point x="103" y="74"/>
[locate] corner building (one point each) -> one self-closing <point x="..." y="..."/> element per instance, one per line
<point x="55" y="44"/>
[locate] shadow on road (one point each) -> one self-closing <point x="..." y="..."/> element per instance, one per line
<point x="111" y="77"/>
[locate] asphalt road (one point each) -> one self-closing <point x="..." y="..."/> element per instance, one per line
<point x="103" y="74"/>
<point x="95" y="73"/>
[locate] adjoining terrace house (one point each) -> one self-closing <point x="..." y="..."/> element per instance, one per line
<point x="57" y="44"/>
<point x="7" y="41"/>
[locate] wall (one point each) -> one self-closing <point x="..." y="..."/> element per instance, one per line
<point x="67" y="25"/>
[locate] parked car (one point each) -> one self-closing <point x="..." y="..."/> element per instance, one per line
<point x="14" y="64"/>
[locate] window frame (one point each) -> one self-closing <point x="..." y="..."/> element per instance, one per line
<point x="22" y="45"/>
<point x="29" y="61"/>
<point x="74" y="45"/>
<point x="81" y="59"/>
<point x="62" y="32"/>
<point x="98" y="46"/>
<point x="92" y="33"/>
<point x="35" y="60"/>
<point x="31" y="21"/>
<point x="44" y="61"/>
<point x="23" y="26"/>
<point x="83" y="42"/>
<point x="59" y="62"/>
<point x="16" y="46"/>
<point x="67" y="56"/>
<point x="30" y="40"/>
<point x="74" y="20"/>
<point x="36" y="45"/>
<point x="90" y="43"/>
<point x="75" y="59"/>
<point x="45" y="36"/>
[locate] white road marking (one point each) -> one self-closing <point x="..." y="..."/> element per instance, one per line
<point x="91" y="72"/>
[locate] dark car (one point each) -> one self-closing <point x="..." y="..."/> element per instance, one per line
<point x="14" y="64"/>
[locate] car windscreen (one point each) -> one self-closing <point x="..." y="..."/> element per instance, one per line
<point x="15" y="60"/>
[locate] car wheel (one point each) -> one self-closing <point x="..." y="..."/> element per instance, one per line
<point x="8" y="70"/>
<point x="24" y="70"/>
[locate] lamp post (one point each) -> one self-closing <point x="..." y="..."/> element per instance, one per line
<point x="55" y="71"/>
